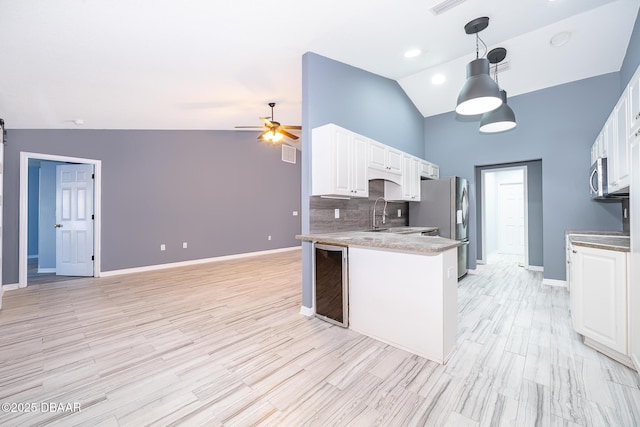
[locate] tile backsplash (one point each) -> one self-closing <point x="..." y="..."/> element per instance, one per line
<point x="355" y="214"/>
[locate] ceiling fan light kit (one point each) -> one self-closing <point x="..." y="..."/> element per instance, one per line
<point x="480" y="93"/>
<point x="273" y="131"/>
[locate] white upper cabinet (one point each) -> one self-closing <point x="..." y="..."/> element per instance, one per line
<point x="633" y="93"/>
<point x="429" y="170"/>
<point x="410" y="178"/>
<point x="339" y="162"/>
<point x="385" y="158"/>
<point x="620" y="146"/>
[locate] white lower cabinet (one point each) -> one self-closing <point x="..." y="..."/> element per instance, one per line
<point x="598" y="294"/>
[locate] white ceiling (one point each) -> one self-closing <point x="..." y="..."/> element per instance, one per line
<point x="213" y="64"/>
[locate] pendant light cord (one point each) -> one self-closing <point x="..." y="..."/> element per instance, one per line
<point x="478" y="39"/>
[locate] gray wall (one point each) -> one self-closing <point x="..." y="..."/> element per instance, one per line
<point x="632" y="58"/>
<point x="557" y="125"/>
<point x="221" y="191"/>
<point x="534" y="212"/>
<point x="333" y="92"/>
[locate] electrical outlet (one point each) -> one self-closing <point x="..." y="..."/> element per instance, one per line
<point x="399" y="213"/>
<point x="295" y="213"/>
<point x="184" y="245"/>
<point x="163" y="247"/>
<point x="269" y="238"/>
<point x="336" y="213"/>
<point x="625" y="213"/>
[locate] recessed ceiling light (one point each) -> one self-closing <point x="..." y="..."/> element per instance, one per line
<point x="412" y="53"/>
<point x="438" y="79"/>
<point x="560" y="39"/>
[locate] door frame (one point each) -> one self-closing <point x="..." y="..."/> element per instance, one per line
<point x="24" y="209"/>
<point x="526" y="209"/>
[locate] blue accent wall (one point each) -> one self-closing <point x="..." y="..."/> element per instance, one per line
<point x="632" y="58"/>
<point x="357" y="100"/>
<point x="557" y="125"/>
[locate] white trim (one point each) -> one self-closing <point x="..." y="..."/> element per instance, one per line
<point x="46" y="270"/>
<point x="535" y="268"/>
<point x="11" y="287"/>
<point x="193" y="262"/>
<point x="634" y="358"/>
<point x="306" y="311"/>
<point x="525" y="189"/>
<point x="472" y="271"/>
<point x="24" y="209"/>
<point x="554" y="282"/>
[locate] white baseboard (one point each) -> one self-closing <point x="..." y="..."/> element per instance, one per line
<point x="306" y="311"/>
<point x="10" y="287"/>
<point x="193" y="262"/>
<point x="472" y="271"/>
<point x="46" y="270"/>
<point x="535" y="268"/>
<point x="634" y="359"/>
<point x="1" y="292"/>
<point x="555" y="282"/>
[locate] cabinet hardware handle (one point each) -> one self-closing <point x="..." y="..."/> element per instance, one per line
<point x="574" y="251"/>
<point x="57" y="226"/>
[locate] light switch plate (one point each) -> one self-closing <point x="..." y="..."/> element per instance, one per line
<point x="336" y="213"/>
<point x="399" y="213"/>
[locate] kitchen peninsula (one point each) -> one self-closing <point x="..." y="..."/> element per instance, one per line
<point x="402" y="287"/>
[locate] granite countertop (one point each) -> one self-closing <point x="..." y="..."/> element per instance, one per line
<point x="614" y="241"/>
<point x="400" y="239"/>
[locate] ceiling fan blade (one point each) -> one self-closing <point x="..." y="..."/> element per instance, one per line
<point x="249" y="127"/>
<point x="287" y="134"/>
<point x="290" y="127"/>
<point x="263" y="134"/>
<point x="266" y="121"/>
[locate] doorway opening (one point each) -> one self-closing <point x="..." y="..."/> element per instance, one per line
<point x="59" y="218"/>
<point x="504" y="215"/>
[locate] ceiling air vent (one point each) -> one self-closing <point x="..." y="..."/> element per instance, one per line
<point x="288" y="154"/>
<point x="442" y="7"/>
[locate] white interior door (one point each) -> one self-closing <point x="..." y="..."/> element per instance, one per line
<point x="74" y="222"/>
<point x="511" y="214"/>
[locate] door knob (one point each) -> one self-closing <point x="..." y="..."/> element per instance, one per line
<point x="57" y="226"/>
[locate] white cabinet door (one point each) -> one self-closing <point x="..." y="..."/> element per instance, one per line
<point x="360" y="183"/>
<point x="394" y="161"/>
<point x="634" y="105"/>
<point x="385" y="158"/>
<point x="621" y="149"/>
<point x="410" y="178"/>
<point x="338" y="162"/>
<point x="599" y="284"/>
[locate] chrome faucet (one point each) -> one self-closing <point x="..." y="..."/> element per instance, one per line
<point x="384" y="212"/>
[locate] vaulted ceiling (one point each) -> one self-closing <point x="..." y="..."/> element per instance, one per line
<point x="213" y="64"/>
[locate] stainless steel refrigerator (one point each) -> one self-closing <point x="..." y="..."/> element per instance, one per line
<point x="445" y="204"/>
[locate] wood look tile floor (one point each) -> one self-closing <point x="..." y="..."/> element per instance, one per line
<point x="224" y="344"/>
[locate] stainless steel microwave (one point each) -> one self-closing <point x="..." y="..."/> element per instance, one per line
<point x="598" y="179"/>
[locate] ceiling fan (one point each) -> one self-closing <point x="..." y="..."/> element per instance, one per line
<point x="273" y="131"/>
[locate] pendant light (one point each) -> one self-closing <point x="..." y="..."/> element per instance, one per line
<point x="502" y="118"/>
<point x="479" y="93"/>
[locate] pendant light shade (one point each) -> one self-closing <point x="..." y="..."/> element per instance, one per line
<point x="499" y="120"/>
<point x="479" y="93"/>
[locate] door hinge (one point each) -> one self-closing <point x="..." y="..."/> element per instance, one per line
<point x="93" y="216"/>
<point x="93" y="176"/>
<point x="92" y="258"/>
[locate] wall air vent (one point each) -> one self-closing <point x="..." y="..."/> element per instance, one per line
<point x="502" y="67"/>
<point x="288" y="154"/>
<point x="442" y="7"/>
